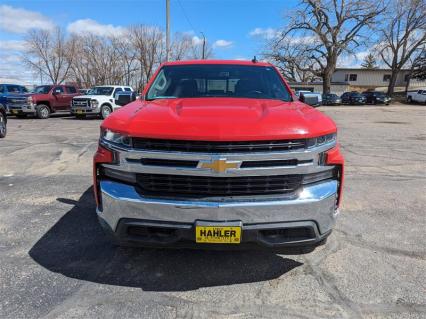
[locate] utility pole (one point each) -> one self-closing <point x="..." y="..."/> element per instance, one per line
<point x="204" y="46"/>
<point x="167" y="29"/>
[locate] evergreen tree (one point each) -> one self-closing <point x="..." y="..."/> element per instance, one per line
<point x="419" y="67"/>
<point x="369" y="62"/>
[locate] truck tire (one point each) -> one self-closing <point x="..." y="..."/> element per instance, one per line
<point x="3" y="127"/>
<point x="42" y="111"/>
<point x="409" y="99"/>
<point x="105" y="111"/>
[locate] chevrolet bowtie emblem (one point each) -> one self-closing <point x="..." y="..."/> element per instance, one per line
<point x="221" y="165"/>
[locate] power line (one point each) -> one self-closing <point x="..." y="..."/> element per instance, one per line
<point x="194" y="29"/>
<point x="186" y="17"/>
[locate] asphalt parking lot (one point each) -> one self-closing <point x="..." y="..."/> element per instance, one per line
<point x="56" y="263"/>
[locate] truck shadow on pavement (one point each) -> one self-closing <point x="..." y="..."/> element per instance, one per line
<point x="77" y="248"/>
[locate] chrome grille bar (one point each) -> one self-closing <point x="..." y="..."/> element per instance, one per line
<point x="131" y="160"/>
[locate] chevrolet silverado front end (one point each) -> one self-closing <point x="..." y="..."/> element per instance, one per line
<point x="218" y="153"/>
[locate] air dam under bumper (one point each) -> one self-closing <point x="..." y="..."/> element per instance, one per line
<point x="301" y="220"/>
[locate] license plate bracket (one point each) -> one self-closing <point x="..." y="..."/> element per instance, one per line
<point x="207" y="232"/>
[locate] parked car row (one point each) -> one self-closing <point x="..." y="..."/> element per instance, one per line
<point x="331" y="99"/>
<point x="348" y="98"/>
<point x="47" y="99"/>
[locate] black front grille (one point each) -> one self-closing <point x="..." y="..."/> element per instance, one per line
<point x="16" y="101"/>
<point x="193" y="164"/>
<point x="217" y="147"/>
<point x="163" y="185"/>
<point x="81" y="102"/>
<point x="172" y="163"/>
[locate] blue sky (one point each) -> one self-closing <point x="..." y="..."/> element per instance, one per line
<point x="230" y="20"/>
<point x="237" y="29"/>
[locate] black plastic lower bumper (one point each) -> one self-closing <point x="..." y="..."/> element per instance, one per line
<point x="145" y="233"/>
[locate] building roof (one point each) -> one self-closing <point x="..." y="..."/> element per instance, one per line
<point x="363" y="69"/>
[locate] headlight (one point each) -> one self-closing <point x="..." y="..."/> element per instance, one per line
<point x="30" y="100"/>
<point x="115" y="138"/>
<point x="321" y="140"/>
<point x="94" y="103"/>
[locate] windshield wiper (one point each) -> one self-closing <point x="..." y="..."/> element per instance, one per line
<point x="162" y="97"/>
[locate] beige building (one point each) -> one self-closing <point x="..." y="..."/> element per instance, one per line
<point x="376" y="79"/>
<point x="352" y="79"/>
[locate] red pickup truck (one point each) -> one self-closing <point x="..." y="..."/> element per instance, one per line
<point x="46" y="99"/>
<point x="215" y="154"/>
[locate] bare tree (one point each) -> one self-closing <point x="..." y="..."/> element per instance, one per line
<point x="187" y="47"/>
<point x="292" y="59"/>
<point x="49" y="53"/>
<point x="103" y="60"/>
<point x="403" y="35"/>
<point x="181" y="46"/>
<point x="98" y="60"/>
<point x="333" y="26"/>
<point x="129" y="58"/>
<point x="149" y="45"/>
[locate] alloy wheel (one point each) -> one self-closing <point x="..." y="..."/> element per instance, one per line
<point x="44" y="112"/>
<point x="105" y="112"/>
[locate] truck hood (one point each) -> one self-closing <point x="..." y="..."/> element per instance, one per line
<point x="219" y="119"/>
<point x="39" y="96"/>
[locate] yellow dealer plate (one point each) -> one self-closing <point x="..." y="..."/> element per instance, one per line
<point x="79" y="111"/>
<point x="218" y="234"/>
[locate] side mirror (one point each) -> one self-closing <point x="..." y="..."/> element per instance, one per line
<point x="311" y="100"/>
<point x="123" y="98"/>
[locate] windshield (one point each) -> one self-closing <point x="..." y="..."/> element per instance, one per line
<point x="42" y="89"/>
<point x="101" y="90"/>
<point x="15" y="88"/>
<point x="190" y="81"/>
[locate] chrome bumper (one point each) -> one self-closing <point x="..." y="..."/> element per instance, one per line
<point x="22" y="108"/>
<point x="314" y="203"/>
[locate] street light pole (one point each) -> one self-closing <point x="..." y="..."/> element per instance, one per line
<point x="167" y="29"/>
<point x="204" y="46"/>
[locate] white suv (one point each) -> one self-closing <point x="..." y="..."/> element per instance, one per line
<point x="100" y="100"/>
